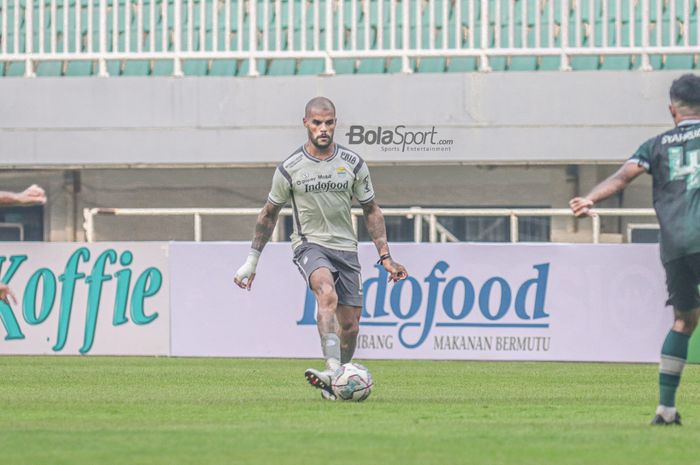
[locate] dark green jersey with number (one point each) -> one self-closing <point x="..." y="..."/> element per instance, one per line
<point x="673" y="160"/>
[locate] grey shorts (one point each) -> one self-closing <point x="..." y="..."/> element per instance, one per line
<point x="344" y="266"/>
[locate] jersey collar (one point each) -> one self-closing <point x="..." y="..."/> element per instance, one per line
<point x="689" y="122"/>
<point x="311" y="157"/>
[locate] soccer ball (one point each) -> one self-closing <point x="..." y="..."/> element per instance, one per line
<point x="353" y="382"/>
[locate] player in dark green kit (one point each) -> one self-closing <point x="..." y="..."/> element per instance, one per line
<point x="673" y="160"/>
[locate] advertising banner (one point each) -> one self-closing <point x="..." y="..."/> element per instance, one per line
<point x="103" y="299"/>
<point x="461" y="301"/>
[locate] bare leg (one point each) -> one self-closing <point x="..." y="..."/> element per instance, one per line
<point x="323" y="287"/>
<point x="349" y="320"/>
<point x="685" y="322"/>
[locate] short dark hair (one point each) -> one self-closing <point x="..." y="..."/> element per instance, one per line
<point x="318" y="103"/>
<point x="686" y="90"/>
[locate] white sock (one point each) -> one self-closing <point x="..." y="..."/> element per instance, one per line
<point x="667" y="413"/>
<point x="332" y="364"/>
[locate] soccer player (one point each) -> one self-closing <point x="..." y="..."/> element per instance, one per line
<point x="673" y="160"/>
<point x="319" y="179"/>
<point x="32" y="195"/>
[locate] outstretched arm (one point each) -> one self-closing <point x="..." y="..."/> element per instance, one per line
<point x="264" y="226"/>
<point x="377" y="231"/>
<point x="32" y="195"/>
<point x="615" y="183"/>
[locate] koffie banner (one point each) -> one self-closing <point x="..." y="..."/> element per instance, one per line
<point x="461" y="301"/>
<point x="106" y="299"/>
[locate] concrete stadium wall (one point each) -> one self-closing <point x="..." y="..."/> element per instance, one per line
<point x="491" y="118"/>
<point x="521" y="140"/>
<point x="70" y="191"/>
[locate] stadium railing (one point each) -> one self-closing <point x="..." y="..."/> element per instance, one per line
<point x="253" y="37"/>
<point x="436" y="231"/>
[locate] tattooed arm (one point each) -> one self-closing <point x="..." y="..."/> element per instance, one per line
<point x="264" y="226"/>
<point x="377" y="231"/>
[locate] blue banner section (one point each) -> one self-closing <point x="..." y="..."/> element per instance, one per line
<point x="440" y="301"/>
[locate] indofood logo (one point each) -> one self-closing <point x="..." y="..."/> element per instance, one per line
<point x="399" y="139"/>
<point x="327" y="186"/>
<point x="43" y="287"/>
<point x="414" y="309"/>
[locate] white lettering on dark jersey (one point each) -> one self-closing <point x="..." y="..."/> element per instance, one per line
<point x="677" y="138"/>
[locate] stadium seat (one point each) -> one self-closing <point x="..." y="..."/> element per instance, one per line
<point x="549" y="63"/>
<point x="617" y="63"/>
<point x="344" y="66"/>
<point x="79" y="68"/>
<point x="680" y="62"/>
<point x="432" y="65"/>
<point x="311" y="66"/>
<point x="585" y="63"/>
<point x="520" y="63"/>
<point x="244" y="66"/>
<point x="49" y="69"/>
<point x="162" y="68"/>
<point x="223" y="68"/>
<point x="136" y="68"/>
<point x="282" y="67"/>
<point x="197" y="67"/>
<point x="462" y="65"/>
<point x="113" y="67"/>
<point x="371" y="66"/>
<point x="15" y="68"/>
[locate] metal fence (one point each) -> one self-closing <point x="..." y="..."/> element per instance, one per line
<point x="35" y="31"/>
<point x="436" y="231"/>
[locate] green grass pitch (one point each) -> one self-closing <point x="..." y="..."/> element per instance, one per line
<point x="104" y="410"/>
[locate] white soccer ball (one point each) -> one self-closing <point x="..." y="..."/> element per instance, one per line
<point x="353" y="382"/>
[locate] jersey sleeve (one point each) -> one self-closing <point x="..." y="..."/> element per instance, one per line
<point x="281" y="190"/>
<point x="642" y="157"/>
<point x="362" y="186"/>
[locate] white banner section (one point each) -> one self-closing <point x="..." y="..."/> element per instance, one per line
<point x="103" y="299"/>
<point x="462" y="301"/>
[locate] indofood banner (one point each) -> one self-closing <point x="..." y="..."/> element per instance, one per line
<point x="105" y="299"/>
<point x="461" y="301"/>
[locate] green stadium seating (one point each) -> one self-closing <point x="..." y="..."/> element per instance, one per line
<point x="15" y="68"/>
<point x="79" y="68"/>
<point x="198" y="67"/>
<point x="549" y="63"/>
<point x="158" y="21"/>
<point x="462" y="65"/>
<point x="432" y="65"/>
<point x="136" y="68"/>
<point x="49" y="69"/>
<point x="345" y="66"/>
<point x="311" y="66"/>
<point x="371" y="66"/>
<point x="282" y="67"/>
<point x="162" y="68"/>
<point x="222" y="67"/>
<point x="244" y="67"/>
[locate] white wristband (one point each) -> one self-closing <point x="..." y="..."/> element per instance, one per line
<point x="253" y="257"/>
